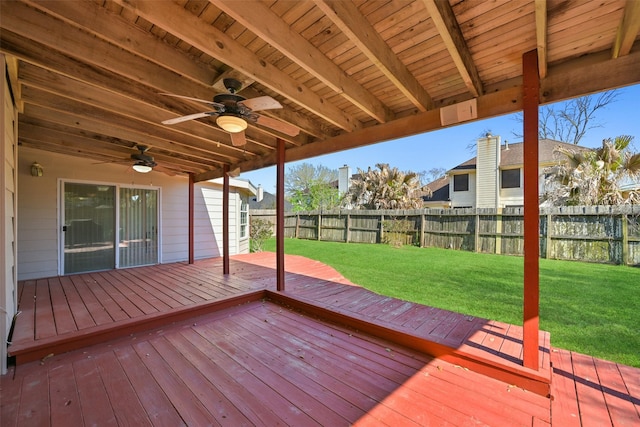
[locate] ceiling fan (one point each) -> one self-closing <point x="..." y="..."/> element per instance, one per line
<point x="144" y="162"/>
<point x="234" y="111"/>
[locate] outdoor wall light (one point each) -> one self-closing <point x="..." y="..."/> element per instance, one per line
<point x="36" y="169"/>
<point x="231" y="124"/>
<point x="142" y="168"/>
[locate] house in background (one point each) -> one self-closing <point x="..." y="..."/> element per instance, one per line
<point x="77" y="215"/>
<point x="494" y="178"/>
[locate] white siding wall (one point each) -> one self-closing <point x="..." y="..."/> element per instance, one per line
<point x="487" y="161"/>
<point x="515" y="196"/>
<point x="463" y="198"/>
<point x="8" y="284"/>
<point x="38" y="210"/>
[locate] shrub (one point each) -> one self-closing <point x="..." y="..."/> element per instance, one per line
<point x="259" y="232"/>
<point x="398" y="232"/>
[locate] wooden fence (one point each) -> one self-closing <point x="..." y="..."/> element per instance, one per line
<point x="607" y="234"/>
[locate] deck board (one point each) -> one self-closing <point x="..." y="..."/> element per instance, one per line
<point x="262" y="363"/>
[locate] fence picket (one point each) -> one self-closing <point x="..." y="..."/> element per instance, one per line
<point x="608" y="234"/>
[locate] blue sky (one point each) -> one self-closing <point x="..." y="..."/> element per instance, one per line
<point x="447" y="148"/>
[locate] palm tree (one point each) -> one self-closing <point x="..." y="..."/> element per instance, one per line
<point x="386" y="188"/>
<point x="596" y="177"/>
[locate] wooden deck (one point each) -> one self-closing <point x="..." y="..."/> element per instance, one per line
<point x="181" y="344"/>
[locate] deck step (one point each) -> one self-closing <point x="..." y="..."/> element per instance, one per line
<point x="472" y="357"/>
<point x="28" y="351"/>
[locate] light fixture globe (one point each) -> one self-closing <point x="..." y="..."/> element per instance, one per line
<point x="231" y="124"/>
<point x="142" y="168"/>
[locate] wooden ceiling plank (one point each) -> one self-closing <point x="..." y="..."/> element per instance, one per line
<point x="350" y="21"/>
<point x="98" y="21"/>
<point x="207" y="38"/>
<point x="541" y="36"/>
<point x="628" y="29"/>
<point x="260" y="20"/>
<point x="445" y="22"/>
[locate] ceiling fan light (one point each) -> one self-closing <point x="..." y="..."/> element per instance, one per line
<point x="142" y="168"/>
<point x="231" y="124"/>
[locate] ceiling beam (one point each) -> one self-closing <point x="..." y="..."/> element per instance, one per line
<point x="445" y="22"/>
<point x="41" y="36"/>
<point x="628" y="29"/>
<point x="97" y="20"/>
<point x="346" y="16"/>
<point x="578" y="77"/>
<point x="541" y="36"/>
<point x="94" y="19"/>
<point x="95" y="120"/>
<point x="176" y="20"/>
<point x="262" y="21"/>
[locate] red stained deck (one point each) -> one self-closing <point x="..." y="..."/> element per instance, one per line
<point x="188" y="346"/>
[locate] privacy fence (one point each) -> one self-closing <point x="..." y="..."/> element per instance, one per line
<point x="607" y="234"/>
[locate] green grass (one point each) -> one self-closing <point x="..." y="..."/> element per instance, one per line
<point x="589" y="308"/>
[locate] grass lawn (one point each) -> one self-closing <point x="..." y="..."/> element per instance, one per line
<point x="589" y="308"/>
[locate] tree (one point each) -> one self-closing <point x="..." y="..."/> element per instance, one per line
<point x="570" y="121"/>
<point x="316" y="196"/>
<point x="431" y="175"/>
<point x="386" y="188"/>
<point x="596" y="177"/>
<point x="311" y="187"/>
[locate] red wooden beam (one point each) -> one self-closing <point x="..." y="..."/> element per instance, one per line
<point x="225" y="220"/>
<point x="191" y="217"/>
<point x="280" y="217"/>
<point x="531" y="91"/>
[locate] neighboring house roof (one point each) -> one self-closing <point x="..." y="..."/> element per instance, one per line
<point x="511" y="154"/>
<point x="439" y="190"/>
<point x="268" y="202"/>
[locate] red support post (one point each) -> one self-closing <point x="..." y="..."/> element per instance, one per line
<point x="531" y="101"/>
<point x="191" y="217"/>
<point x="280" y="217"/>
<point x="225" y="220"/>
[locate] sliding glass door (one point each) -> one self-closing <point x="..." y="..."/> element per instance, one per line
<point x="91" y="218"/>
<point x="89" y="224"/>
<point x="138" y="243"/>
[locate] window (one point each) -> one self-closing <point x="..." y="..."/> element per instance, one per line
<point x="244" y="217"/>
<point x="511" y="178"/>
<point x="461" y="182"/>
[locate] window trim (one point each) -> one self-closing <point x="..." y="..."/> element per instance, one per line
<point x="511" y="179"/>
<point x="456" y="185"/>
<point x="244" y="217"/>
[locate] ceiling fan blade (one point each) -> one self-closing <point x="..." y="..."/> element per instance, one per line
<point x="238" y="139"/>
<point x="261" y="103"/>
<point x="278" y="125"/>
<point x="188" y="117"/>
<point x="203" y="101"/>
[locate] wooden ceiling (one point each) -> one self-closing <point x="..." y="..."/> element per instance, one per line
<point x="89" y="76"/>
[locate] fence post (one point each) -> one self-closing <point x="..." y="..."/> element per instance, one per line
<point x="381" y="227"/>
<point x="547" y="246"/>
<point x="297" y="230"/>
<point x="348" y="227"/>
<point x="625" y="239"/>
<point x="319" y="224"/>
<point x="476" y="232"/>
<point x="423" y="224"/>
<point x="498" y="241"/>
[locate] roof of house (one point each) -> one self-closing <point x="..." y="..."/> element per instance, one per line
<point x="511" y="155"/>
